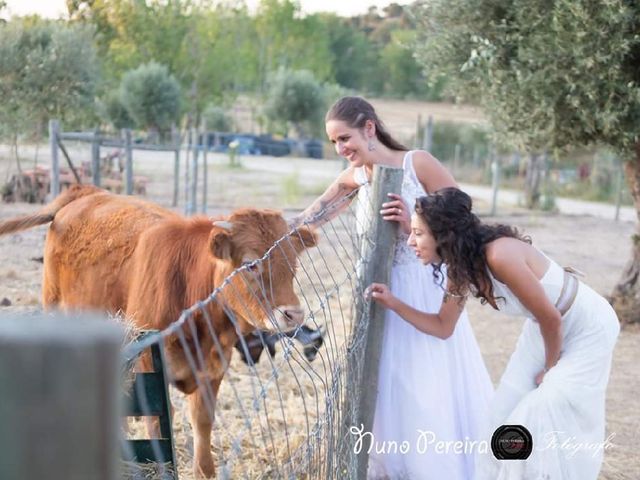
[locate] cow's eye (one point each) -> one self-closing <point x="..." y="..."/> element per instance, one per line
<point x="252" y="265"/>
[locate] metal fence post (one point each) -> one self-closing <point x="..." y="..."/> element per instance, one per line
<point x="60" y="395"/>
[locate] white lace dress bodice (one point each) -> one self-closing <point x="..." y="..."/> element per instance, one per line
<point x="411" y="190"/>
<point x="551" y="283"/>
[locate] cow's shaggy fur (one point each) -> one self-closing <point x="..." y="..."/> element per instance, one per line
<point x="123" y="254"/>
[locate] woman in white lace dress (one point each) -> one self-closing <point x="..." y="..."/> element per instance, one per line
<point x="433" y="390"/>
<point x="556" y="380"/>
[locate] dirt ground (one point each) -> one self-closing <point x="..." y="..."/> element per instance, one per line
<point x="597" y="247"/>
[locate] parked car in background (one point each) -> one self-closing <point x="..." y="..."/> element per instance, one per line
<point x="250" y="144"/>
<point x="313" y="148"/>
<point x="247" y="145"/>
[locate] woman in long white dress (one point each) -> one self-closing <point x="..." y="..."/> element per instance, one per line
<point x="432" y="392"/>
<point x="556" y="380"/>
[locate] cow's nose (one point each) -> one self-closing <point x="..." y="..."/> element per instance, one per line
<point x="291" y="316"/>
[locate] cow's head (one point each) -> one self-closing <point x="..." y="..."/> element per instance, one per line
<point x="261" y="293"/>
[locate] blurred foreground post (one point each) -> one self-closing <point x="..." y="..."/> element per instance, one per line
<point x="59" y="415"/>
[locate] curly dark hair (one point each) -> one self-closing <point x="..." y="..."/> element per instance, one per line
<point x="461" y="239"/>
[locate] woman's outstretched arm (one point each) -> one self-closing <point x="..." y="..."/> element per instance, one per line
<point x="330" y="204"/>
<point x="441" y="324"/>
<point x="507" y="262"/>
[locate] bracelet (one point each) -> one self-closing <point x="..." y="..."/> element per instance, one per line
<point x="448" y="295"/>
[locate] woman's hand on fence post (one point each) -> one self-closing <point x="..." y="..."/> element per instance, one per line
<point x="381" y="293"/>
<point x="396" y="210"/>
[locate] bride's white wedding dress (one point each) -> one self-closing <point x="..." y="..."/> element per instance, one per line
<point x="432" y="393"/>
<point x="566" y="413"/>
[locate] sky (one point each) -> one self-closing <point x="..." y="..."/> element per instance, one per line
<point x="56" y="8"/>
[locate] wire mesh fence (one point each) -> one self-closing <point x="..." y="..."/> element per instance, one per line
<point x="270" y="388"/>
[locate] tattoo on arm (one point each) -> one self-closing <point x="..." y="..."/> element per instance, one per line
<point x="329" y="205"/>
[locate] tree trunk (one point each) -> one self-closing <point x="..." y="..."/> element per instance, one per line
<point x="625" y="298"/>
<point x="532" y="182"/>
<point x="16" y="153"/>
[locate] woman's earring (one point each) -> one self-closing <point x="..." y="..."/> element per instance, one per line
<point x="371" y="146"/>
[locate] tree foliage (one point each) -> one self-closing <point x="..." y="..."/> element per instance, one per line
<point x="288" y="40"/>
<point x="548" y="74"/>
<point x="47" y="69"/>
<point x="295" y="97"/>
<point x="217" y="119"/>
<point x="215" y="50"/>
<point x="151" y="96"/>
<point x="114" y="112"/>
<point x="353" y="57"/>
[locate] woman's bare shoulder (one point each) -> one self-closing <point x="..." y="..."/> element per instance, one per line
<point x="430" y="172"/>
<point x="506" y="251"/>
<point x="347" y="177"/>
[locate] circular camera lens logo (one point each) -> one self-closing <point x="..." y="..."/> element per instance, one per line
<point x="511" y="442"/>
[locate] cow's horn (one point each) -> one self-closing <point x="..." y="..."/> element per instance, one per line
<point x="223" y="224"/>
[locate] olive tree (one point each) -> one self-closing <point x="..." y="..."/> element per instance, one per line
<point x="549" y="75"/>
<point x="295" y="98"/>
<point x="47" y="69"/>
<point x="151" y="96"/>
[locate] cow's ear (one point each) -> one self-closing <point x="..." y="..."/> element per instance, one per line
<point x="221" y="244"/>
<point x="304" y="237"/>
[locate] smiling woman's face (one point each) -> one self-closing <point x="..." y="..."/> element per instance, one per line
<point x="422" y="241"/>
<point x="349" y="143"/>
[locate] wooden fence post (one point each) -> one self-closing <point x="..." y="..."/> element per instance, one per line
<point x="495" y="181"/>
<point x="427" y="141"/>
<point x="175" y="135"/>
<point x="95" y="157"/>
<point x="54" y="131"/>
<point x="378" y="250"/>
<point x="619" y="187"/>
<point x="456" y="159"/>
<point x="128" y="165"/>
<point x="193" y="186"/>
<point x="60" y="395"/>
<point x="187" y="166"/>
<point x="205" y="169"/>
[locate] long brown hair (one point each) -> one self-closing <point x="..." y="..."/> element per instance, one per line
<point x="461" y="240"/>
<point x="355" y="111"/>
